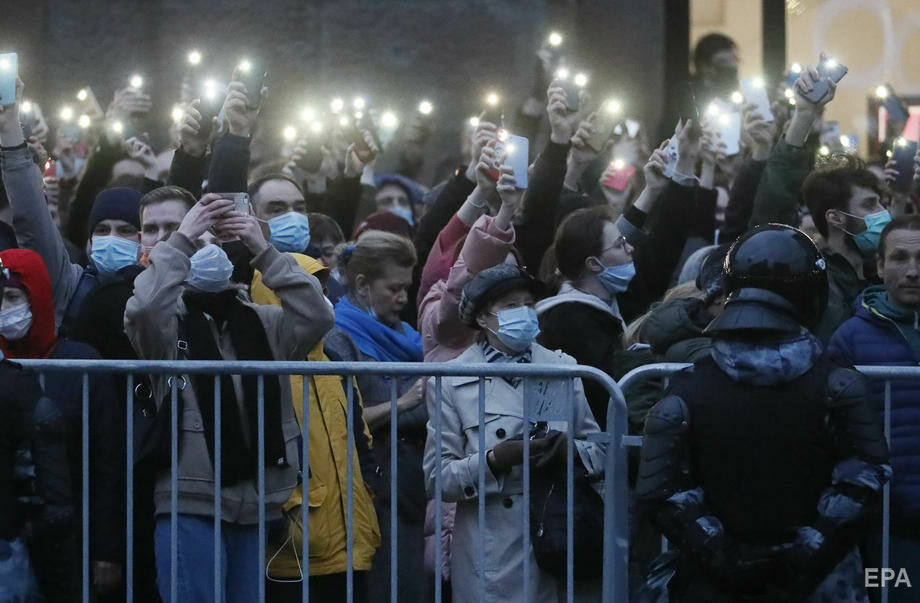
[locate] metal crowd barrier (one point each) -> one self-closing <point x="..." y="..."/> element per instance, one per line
<point x="665" y="369"/>
<point x="615" y="581"/>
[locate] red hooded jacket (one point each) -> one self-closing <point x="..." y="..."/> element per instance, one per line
<point x="39" y="342"/>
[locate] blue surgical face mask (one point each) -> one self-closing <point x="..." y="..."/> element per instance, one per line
<point x="290" y="232"/>
<point x="518" y="327"/>
<point x="111" y="253"/>
<point x="867" y="241"/>
<point x="211" y="269"/>
<point x="616" y="279"/>
<point x="403" y="212"/>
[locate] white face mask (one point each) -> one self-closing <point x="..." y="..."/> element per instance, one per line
<point x="15" y="322"/>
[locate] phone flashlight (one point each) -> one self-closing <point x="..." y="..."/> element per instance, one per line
<point x="245" y="66"/>
<point x="795" y="68"/>
<point x="845" y="141"/>
<point x="900" y="141"/>
<point x="26" y="107"/>
<point x="562" y="73"/>
<point x="830" y="63"/>
<point x="343" y="121"/>
<point x="358" y="103"/>
<point x="194" y="57"/>
<point x="492" y="99"/>
<point x="316" y="127"/>
<point x="618" y="164"/>
<point x="136" y="81"/>
<point x="724" y="119"/>
<point x="502" y="135"/>
<point x="83" y="121"/>
<point x="4" y="64"/>
<point x="474" y="121"/>
<point x="712" y="110"/>
<point x="737" y="97"/>
<point x="82" y="95"/>
<point x="66" y="114"/>
<point x="388" y="120"/>
<point x="555" y="38"/>
<point x="425" y="107"/>
<point x="118" y="127"/>
<point x="337" y="105"/>
<point x="613" y="106"/>
<point x="581" y="80"/>
<point x="881" y="91"/>
<point x="790" y="93"/>
<point x="824" y="150"/>
<point x="289" y="133"/>
<point x="308" y="114"/>
<point x="177" y="114"/>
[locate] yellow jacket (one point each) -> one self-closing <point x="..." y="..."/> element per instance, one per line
<point x="327" y="500"/>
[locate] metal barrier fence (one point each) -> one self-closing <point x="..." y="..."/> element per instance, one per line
<point x="615" y="551"/>
<point x="887" y="373"/>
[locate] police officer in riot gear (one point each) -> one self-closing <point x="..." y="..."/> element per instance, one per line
<point x="764" y="463"/>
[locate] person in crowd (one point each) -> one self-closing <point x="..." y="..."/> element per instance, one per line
<point x="27" y="331"/>
<point x="594" y="255"/>
<point x="36" y="503"/>
<point x="399" y="195"/>
<point x="674" y="329"/>
<point x="278" y="200"/>
<point x="383" y="221"/>
<point x="490" y="242"/>
<point x="325" y="238"/>
<point x="186" y="295"/>
<point x="764" y="463"/>
<point x="378" y="269"/>
<point x="328" y="485"/>
<point x="499" y="302"/>
<point x="844" y="200"/>
<point x="885" y="332"/>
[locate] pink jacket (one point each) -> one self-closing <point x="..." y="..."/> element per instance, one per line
<point x="441" y="257"/>
<point x="444" y="337"/>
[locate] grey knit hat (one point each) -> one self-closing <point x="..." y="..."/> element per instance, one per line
<point x="491" y="284"/>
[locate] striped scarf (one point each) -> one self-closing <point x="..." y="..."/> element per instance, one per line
<point x="494" y="356"/>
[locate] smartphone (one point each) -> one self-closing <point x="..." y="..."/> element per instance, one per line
<point x="632" y="128"/>
<point x="517" y="154"/>
<point x="367" y="122"/>
<point x="354" y="135"/>
<point x="493" y="114"/>
<point x="572" y="102"/>
<point x="673" y="155"/>
<point x="9" y="71"/>
<point x="897" y="111"/>
<point x="605" y="126"/>
<point x="728" y="127"/>
<point x="618" y="179"/>
<point x="828" y="70"/>
<point x="904" y="153"/>
<point x="27" y="128"/>
<point x="240" y="201"/>
<point x="253" y="78"/>
<point x="754" y="91"/>
<point x="312" y="159"/>
<point x="212" y="101"/>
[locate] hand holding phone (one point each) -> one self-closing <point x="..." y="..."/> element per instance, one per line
<point x="903" y="156"/>
<point x="251" y="73"/>
<point x="754" y="91"/>
<point x="606" y="120"/>
<point x="517" y="153"/>
<point x="814" y="83"/>
<point x="618" y="175"/>
<point x="240" y="205"/>
<point x="493" y="112"/>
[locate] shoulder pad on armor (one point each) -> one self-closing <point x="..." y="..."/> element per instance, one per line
<point x="670" y="414"/>
<point x="845" y="384"/>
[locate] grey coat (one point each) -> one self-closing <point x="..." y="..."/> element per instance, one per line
<point x="459" y="457"/>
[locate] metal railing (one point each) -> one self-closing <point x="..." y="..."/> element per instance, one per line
<point x="615" y="550"/>
<point x="887" y="373"/>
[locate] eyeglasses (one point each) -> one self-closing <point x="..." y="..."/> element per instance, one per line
<point x="619" y="245"/>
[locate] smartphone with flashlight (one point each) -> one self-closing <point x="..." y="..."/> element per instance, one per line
<point x="312" y="158"/>
<point x="251" y="73"/>
<point x="572" y="91"/>
<point x="605" y="125"/>
<point x="904" y="153"/>
<point x="827" y="70"/>
<point x="367" y="122"/>
<point x="517" y="153"/>
<point x="754" y="91"/>
<point x="211" y="102"/>
<point x="493" y="112"/>
<point x="618" y="178"/>
<point x="897" y="111"/>
<point x="354" y="135"/>
<point x="9" y="71"/>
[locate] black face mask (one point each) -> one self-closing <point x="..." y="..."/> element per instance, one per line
<point x="240" y="256"/>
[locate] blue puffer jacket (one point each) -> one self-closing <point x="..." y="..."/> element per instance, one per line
<point x="873" y="337"/>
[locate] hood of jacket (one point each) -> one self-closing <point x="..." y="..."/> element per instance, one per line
<point x="874" y="303"/>
<point x="769" y="361"/>
<point x="674" y="321"/>
<point x="31" y="270"/>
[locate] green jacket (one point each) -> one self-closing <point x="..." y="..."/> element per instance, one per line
<point x="779" y="193"/>
<point x="844" y="286"/>
<point x="674" y="329"/>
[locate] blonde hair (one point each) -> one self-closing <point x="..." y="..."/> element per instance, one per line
<point x="634" y="332"/>
<point x="370" y="255"/>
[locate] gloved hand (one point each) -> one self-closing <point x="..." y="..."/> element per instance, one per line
<point x="748" y="568"/>
<point x="510" y="453"/>
<point x="552" y="451"/>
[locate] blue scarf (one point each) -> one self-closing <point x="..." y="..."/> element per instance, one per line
<point x="374" y="338"/>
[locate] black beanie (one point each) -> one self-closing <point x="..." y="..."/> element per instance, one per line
<point x="116" y="204"/>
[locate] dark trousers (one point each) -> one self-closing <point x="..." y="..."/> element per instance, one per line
<point x="331" y="588"/>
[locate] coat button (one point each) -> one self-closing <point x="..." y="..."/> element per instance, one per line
<point x="197" y="425"/>
<point x="469" y="491"/>
<point x="500" y="433"/>
<point x="508" y="503"/>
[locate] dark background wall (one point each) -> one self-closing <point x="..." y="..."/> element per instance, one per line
<point x="393" y="51"/>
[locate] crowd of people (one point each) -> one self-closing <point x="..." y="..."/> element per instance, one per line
<point x="774" y="270"/>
